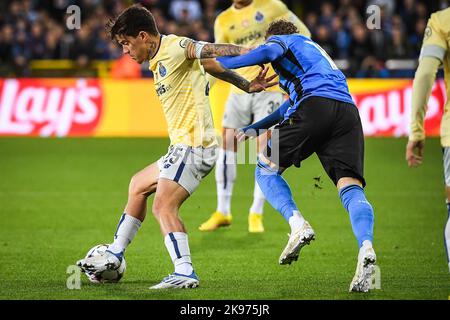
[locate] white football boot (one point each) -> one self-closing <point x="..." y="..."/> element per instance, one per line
<point x="178" y="281"/>
<point x="364" y="270"/>
<point x="297" y="240"/>
<point x="98" y="264"/>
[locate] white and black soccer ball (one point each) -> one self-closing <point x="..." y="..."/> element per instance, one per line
<point x="107" y="276"/>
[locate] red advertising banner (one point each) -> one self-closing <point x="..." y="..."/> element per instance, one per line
<point x="94" y="107"/>
<point x="385" y="106"/>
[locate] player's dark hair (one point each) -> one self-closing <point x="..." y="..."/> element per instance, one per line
<point x="131" y="21"/>
<point x="281" y="27"/>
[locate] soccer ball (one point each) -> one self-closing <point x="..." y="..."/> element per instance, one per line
<point x="107" y="276"/>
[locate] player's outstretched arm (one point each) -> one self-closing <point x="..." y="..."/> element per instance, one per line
<point x="205" y="50"/>
<point x="265" y="53"/>
<point x="258" y="84"/>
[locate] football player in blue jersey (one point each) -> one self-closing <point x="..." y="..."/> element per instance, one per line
<point x="320" y="116"/>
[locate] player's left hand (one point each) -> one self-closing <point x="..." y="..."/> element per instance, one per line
<point x="244" y="134"/>
<point x="240" y="135"/>
<point x="414" y="152"/>
<point x="260" y="83"/>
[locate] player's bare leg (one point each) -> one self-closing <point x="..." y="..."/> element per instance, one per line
<point x="361" y="216"/>
<point x="168" y="199"/>
<point x="278" y="194"/>
<point x="141" y="186"/>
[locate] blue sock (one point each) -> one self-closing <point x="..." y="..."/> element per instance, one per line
<point x="275" y="189"/>
<point x="360" y="211"/>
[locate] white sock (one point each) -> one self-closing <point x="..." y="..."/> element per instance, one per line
<point x="258" y="200"/>
<point x="225" y="177"/>
<point x="126" y="230"/>
<point x="178" y="247"/>
<point x="296" y="221"/>
<point x="366" y="244"/>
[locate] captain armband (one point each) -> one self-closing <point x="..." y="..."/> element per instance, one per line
<point x="433" y="51"/>
<point x="194" y="49"/>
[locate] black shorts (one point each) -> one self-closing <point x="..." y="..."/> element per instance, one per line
<point x="328" y="127"/>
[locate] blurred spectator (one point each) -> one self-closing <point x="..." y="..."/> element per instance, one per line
<point x="185" y="10"/>
<point x="408" y="14"/>
<point x="210" y="13"/>
<point x="352" y="18"/>
<point x="443" y="4"/>
<point x="323" y="38"/>
<point x="399" y="47"/>
<point x="341" y="37"/>
<point x="52" y="46"/>
<point x="361" y="49"/>
<point x="415" y="39"/>
<point x="21" y="54"/>
<point x="6" y="45"/>
<point x="162" y="6"/>
<point x="312" y="21"/>
<point x="83" y="46"/>
<point x="326" y="14"/>
<point x="421" y="10"/>
<point x="37" y="42"/>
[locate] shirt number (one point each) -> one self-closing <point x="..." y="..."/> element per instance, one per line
<point x="324" y="54"/>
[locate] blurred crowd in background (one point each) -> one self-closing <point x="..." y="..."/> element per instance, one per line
<point x="36" y="29"/>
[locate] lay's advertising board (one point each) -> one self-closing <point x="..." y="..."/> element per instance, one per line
<point x="130" y="108"/>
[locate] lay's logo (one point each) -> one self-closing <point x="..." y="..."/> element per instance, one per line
<point x="49" y="107"/>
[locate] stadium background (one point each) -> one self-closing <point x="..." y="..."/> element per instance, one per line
<point x="58" y="197"/>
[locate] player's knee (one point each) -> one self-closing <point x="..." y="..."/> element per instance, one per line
<point x="135" y="188"/>
<point x="139" y="186"/>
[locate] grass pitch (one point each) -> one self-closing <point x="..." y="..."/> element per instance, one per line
<point x="60" y="197"/>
